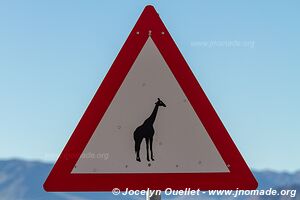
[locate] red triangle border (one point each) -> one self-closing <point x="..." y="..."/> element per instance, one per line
<point x="61" y="178"/>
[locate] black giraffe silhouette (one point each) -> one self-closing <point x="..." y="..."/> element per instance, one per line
<point x="146" y="131"/>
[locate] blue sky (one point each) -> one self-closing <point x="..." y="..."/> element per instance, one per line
<point x="54" y="55"/>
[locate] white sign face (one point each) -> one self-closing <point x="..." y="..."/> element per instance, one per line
<point x="180" y="142"/>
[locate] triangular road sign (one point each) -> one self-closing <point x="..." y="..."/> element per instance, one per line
<point x="151" y="96"/>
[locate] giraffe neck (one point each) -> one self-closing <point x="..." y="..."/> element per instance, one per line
<point x="152" y="117"/>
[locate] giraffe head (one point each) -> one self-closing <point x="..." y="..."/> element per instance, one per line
<point x="160" y="103"/>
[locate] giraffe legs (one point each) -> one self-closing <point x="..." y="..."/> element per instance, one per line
<point x="151" y="142"/>
<point x="137" y="150"/>
<point x="147" y="147"/>
<point x="138" y="157"/>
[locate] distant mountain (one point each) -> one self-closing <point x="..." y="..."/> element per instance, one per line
<point x="267" y="179"/>
<point x="23" y="180"/>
